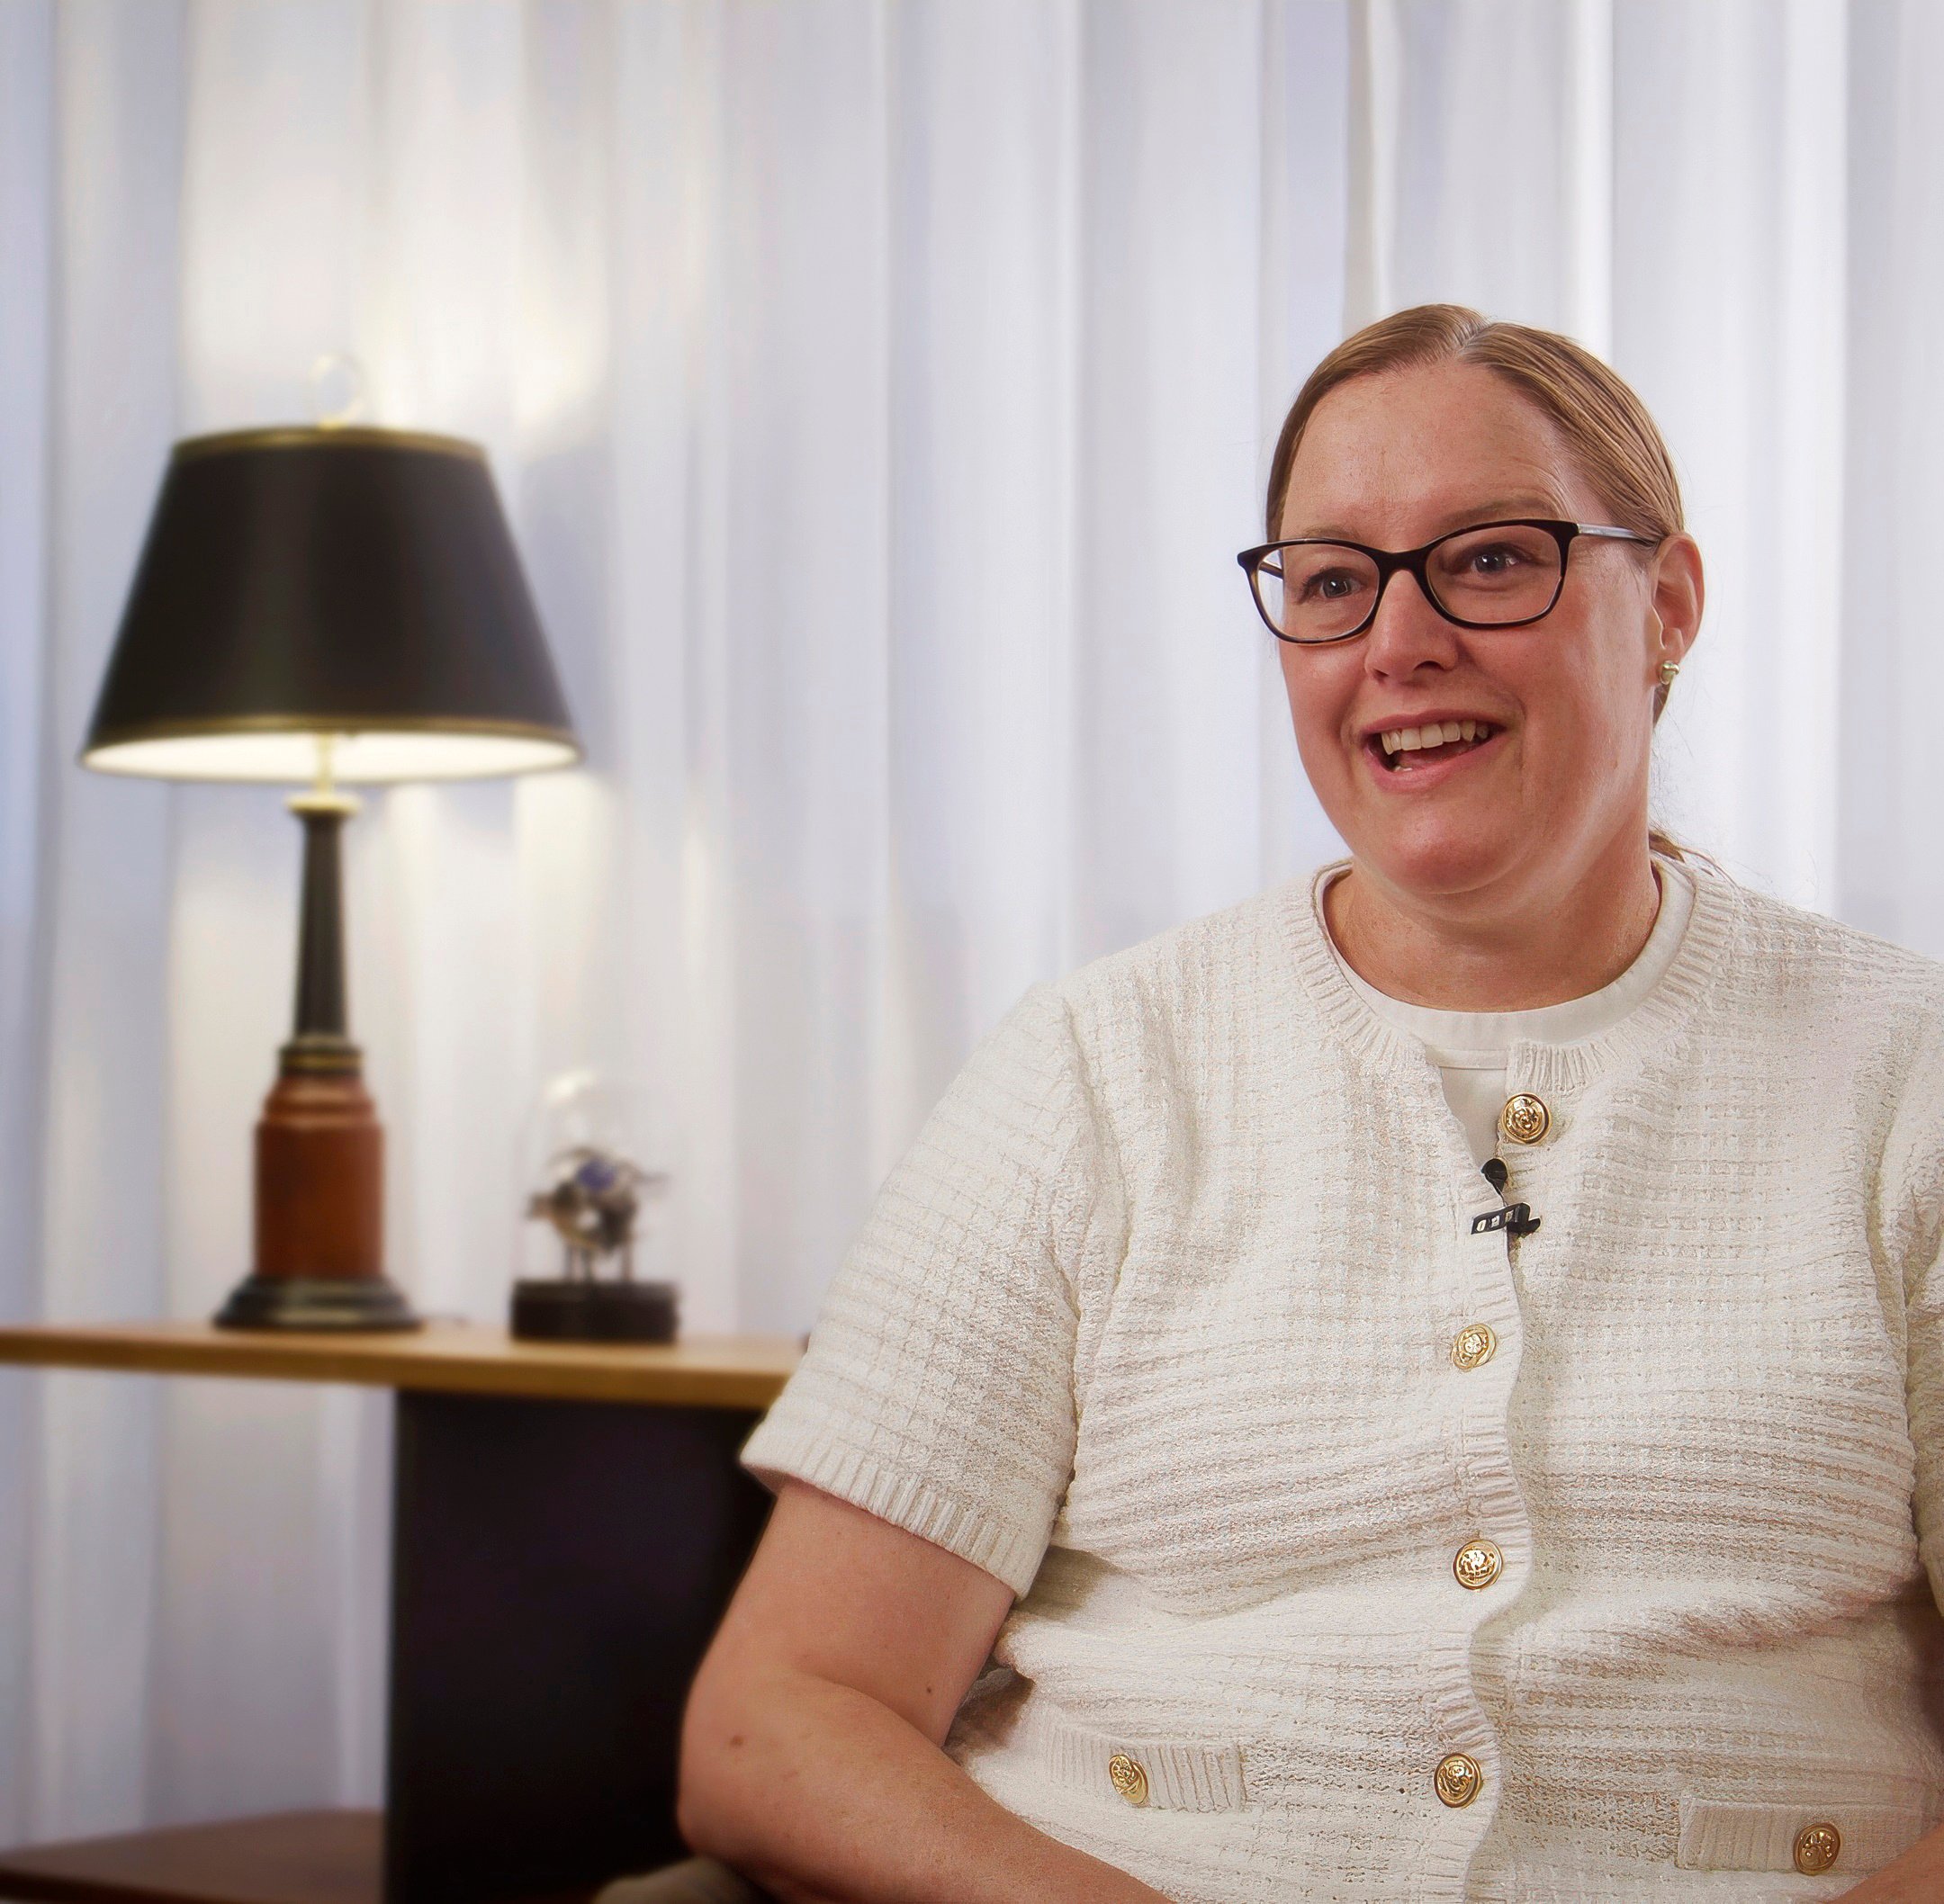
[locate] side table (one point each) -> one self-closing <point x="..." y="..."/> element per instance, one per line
<point x="569" y="1522"/>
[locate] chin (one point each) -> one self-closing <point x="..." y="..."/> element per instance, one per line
<point x="1437" y="860"/>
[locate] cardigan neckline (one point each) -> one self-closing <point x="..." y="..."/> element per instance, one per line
<point x="1652" y="1025"/>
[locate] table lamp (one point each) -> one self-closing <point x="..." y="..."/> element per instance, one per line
<point x="327" y="605"/>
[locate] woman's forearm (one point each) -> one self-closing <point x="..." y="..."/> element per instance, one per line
<point x="824" y="1796"/>
<point x="1915" y="1878"/>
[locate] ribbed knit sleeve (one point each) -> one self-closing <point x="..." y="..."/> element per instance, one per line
<point x="1914" y="1234"/>
<point x="937" y="1388"/>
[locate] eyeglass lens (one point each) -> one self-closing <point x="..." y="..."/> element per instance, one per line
<point x="1322" y="591"/>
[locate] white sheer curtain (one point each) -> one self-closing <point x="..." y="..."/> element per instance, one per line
<point x="880" y="389"/>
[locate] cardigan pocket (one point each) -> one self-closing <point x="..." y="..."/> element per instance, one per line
<point x="1719" y="1834"/>
<point x="1136" y="1769"/>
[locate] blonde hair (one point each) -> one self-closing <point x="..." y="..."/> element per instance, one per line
<point x="1605" y="428"/>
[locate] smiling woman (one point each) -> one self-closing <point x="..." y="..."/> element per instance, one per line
<point x="1555" y="597"/>
<point x="1429" y="1383"/>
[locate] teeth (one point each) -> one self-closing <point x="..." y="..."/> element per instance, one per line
<point x="1433" y="733"/>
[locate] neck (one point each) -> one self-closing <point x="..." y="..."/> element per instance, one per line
<point x="1472" y="952"/>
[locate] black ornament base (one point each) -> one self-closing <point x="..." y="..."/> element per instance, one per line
<point x="316" y="1304"/>
<point x="584" y="1311"/>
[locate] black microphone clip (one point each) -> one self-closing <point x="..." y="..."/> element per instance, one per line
<point x="1515" y="1219"/>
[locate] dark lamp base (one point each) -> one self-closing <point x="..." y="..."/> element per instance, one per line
<point x="318" y="1304"/>
<point x="583" y="1311"/>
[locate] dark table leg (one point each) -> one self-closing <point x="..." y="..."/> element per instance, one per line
<point x="558" y="1568"/>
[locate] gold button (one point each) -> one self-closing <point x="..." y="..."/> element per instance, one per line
<point x="1128" y="1780"/>
<point x="1457" y="1779"/>
<point x="1525" y="1118"/>
<point x="1817" y="1847"/>
<point x="1474" y="1343"/>
<point x="1478" y="1563"/>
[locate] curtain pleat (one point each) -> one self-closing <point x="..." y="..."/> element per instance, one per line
<point x="27" y="218"/>
<point x="1888" y="664"/>
<point x="879" y="392"/>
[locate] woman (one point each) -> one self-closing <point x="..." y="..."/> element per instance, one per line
<point x="1416" y="1387"/>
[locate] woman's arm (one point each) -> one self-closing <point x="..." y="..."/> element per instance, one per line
<point x="811" y="1755"/>
<point x="1915" y="1878"/>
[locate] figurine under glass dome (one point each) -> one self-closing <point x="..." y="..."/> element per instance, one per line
<point x="593" y="1202"/>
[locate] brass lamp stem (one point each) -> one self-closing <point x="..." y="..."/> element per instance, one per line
<point x="319" y="1040"/>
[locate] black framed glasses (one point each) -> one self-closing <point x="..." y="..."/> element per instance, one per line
<point x="1490" y="575"/>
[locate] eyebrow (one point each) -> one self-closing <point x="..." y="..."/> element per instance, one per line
<point x="1503" y="508"/>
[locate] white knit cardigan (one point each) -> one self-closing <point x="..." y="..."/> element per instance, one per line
<point x="1156" y="1323"/>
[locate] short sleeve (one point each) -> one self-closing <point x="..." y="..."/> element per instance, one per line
<point x="937" y="1388"/>
<point x="1926" y="1395"/>
<point x="1914" y="1229"/>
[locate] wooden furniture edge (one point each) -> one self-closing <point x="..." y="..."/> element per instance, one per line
<point x="294" y="1857"/>
<point x="466" y="1359"/>
<point x="288" y="1857"/>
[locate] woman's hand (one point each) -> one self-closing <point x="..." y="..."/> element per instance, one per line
<point x="1915" y="1878"/>
<point x="811" y="1755"/>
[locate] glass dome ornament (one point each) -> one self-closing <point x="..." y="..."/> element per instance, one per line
<point x="588" y="1215"/>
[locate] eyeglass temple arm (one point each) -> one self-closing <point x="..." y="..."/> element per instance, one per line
<point x="1596" y="528"/>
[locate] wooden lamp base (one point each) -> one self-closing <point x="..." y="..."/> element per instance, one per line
<point x="320" y="1202"/>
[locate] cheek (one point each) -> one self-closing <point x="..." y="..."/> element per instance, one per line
<point x="1595" y="722"/>
<point x="1318" y="688"/>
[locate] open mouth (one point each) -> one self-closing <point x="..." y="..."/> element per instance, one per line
<point x="1403" y="749"/>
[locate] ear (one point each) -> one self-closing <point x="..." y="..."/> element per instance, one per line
<point x="1677" y="596"/>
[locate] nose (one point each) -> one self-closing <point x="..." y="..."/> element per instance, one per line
<point x="1408" y="633"/>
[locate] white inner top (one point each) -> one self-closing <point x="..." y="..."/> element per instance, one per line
<point x="1470" y="1047"/>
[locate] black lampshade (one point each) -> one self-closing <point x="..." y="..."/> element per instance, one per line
<point x="360" y="583"/>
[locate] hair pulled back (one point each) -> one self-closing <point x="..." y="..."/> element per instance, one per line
<point x="1605" y="426"/>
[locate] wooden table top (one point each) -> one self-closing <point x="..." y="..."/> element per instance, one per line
<point x="723" y="1371"/>
<point x="294" y="1857"/>
<point x="320" y="1857"/>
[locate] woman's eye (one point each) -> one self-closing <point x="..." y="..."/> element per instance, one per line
<point x="1331" y="586"/>
<point x="1494" y="558"/>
